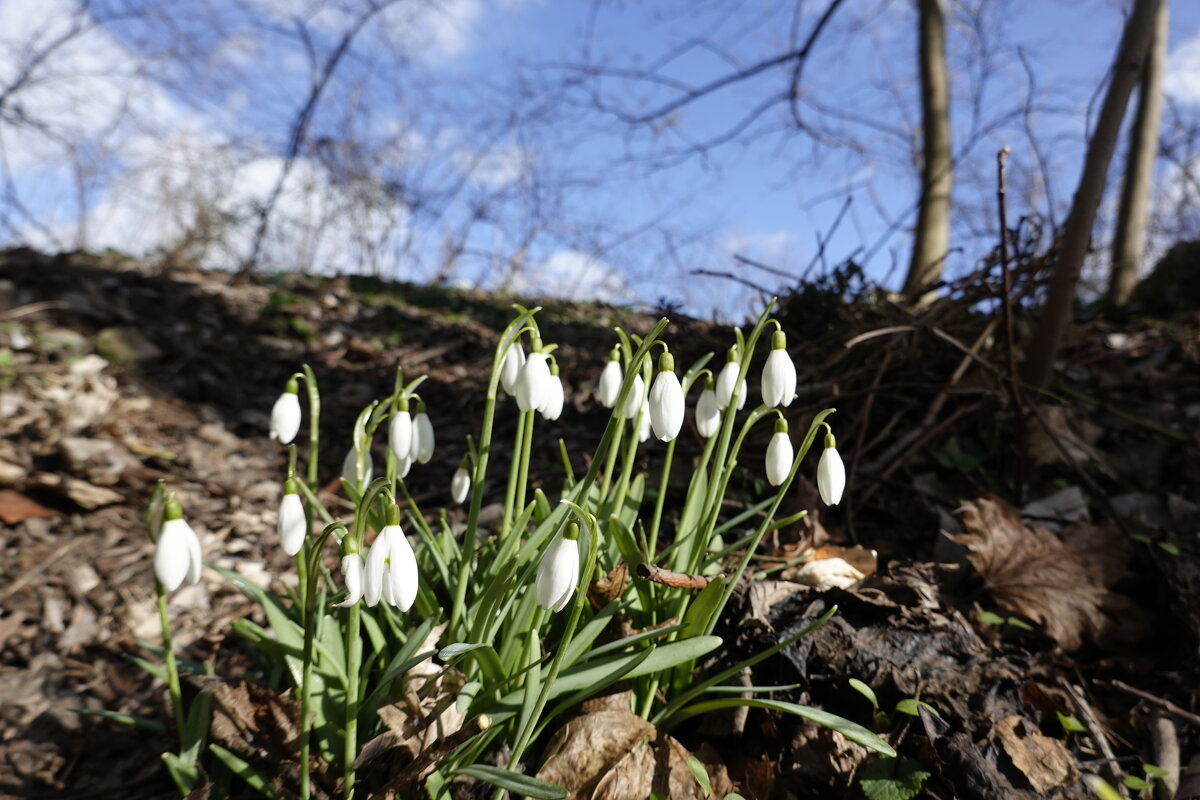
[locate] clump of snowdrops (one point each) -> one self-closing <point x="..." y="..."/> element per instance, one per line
<point x="506" y="608"/>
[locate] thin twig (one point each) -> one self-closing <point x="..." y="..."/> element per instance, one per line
<point x="1166" y="705"/>
<point x="1093" y="724"/>
<point x="677" y="580"/>
<point x="1014" y="381"/>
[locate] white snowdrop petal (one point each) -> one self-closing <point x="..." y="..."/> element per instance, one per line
<point x="708" y="414"/>
<point x="400" y="434"/>
<point x="511" y="368"/>
<point x="558" y="575"/>
<point x="726" y="381"/>
<point x="402" y="570"/>
<point x="292" y="526"/>
<point x="172" y="558"/>
<point x="460" y="485"/>
<point x="285" y="417"/>
<point x="533" y="384"/>
<point x="779" y="458"/>
<point x="778" y="379"/>
<point x="374" y="569"/>
<point x="666" y="406"/>
<point x="195" y="558"/>
<point x="634" y="401"/>
<point x="610" y="384"/>
<point x="352" y="573"/>
<point x="424" y="438"/>
<point x="555" y="399"/>
<point x="831" y="476"/>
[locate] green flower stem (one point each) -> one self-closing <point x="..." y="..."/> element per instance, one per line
<point x="525" y="735"/>
<point x="514" y="470"/>
<point x="314" y="421"/>
<point x="309" y="593"/>
<point x="354" y="648"/>
<point x="173" y="685"/>
<point x="480" y="473"/>
<point x="526" y="453"/>
<point x="660" y="500"/>
<point x="610" y="463"/>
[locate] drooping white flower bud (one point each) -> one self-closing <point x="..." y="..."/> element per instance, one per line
<point x="352" y="570"/>
<point x="510" y="370"/>
<point x="400" y="431"/>
<point x="666" y="400"/>
<point x="391" y="567"/>
<point x="533" y="384"/>
<point x="779" y="454"/>
<point x="636" y="397"/>
<point x="779" y="374"/>
<point x="831" y="473"/>
<point x="727" y="379"/>
<point x="558" y="574"/>
<point x="285" y="414"/>
<point x="460" y="484"/>
<point x="293" y="525"/>
<point x="610" y="380"/>
<point x="708" y="413"/>
<point x="177" y="552"/>
<point x="423" y="436"/>
<point x="557" y="395"/>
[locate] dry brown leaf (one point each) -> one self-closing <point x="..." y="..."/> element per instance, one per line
<point x="1031" y="572"/>
<point x="604" y="590"/>
<point x="586" y="748"/>
<point x="1077" y="436"/>
<point x="617" y="755"/>
<point x="1046" y="762"/>
<point x="16" y="507"/>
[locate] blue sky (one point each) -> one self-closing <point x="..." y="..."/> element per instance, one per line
<point x="464" y="109"/>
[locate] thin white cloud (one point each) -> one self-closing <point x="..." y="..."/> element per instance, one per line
<point x="574" y="275"/>
<point x="1182" y="79"/>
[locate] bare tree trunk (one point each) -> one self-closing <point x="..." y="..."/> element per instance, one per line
<point x="1129" y="242"/>
<point x="932" y="237"/>
<point x="1131" y="55"/>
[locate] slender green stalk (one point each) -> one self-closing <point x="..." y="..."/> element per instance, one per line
<point x="514" y="469"/>
<point x="310" y="596"/>
<point x="610" y="463"/>
<point x="173" y="685"/>
<point x="525" y="456"/>
<point x="353" y="662"/>
<point x="314" y="422"/>
<point x="660" y="500"/>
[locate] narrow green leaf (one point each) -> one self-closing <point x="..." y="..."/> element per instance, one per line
<point x="912" y="706"/>
<point x="1154" y="771"/>
<point x="865" y="690"/>
<point x="851" y="730"/>
<point x="700" y="774"/>
<point x="1101" y="788"/>
<point x="1070" y="724"/>
<point x="123" y="719"/>
<point x="243" y="770"/>
<point x="521" y="785"/>
<point x="481" y="652"/>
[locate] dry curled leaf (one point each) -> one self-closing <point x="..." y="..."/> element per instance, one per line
<point x="617" y="755"/>
<point x="1045" y="762"/>
<point x="1032" y="572"/>
<point x="16" y="507"/>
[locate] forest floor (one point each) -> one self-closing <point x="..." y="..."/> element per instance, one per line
<point x="1029" y="569"/>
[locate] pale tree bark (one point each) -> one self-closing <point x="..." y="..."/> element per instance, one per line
<point x="1129" y="241"/>
<point x="1073" y="246"/>
<point x="931" y="240"/>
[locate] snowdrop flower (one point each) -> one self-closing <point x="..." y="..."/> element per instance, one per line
<point x="460" y="484"/>
<point x="177" y="552"/>
<point x="610" y="380"/>
<point x="779" y="374"/>
<point x="533" y="382"/>
<point x="727" y="381"/>
<point x="423" y="438"/>
<point x="708" y="413"/>
<point x="510" y="370"/>
<point x="391" y="567"/>
<point x="350" y="472"/>
<point x="558" y="574"/>
<point x="666" y="400"/>
<point x="636" y="398"/>
<point x="400" y="431"/>
<point x="352" y="570"/>
<point x="293" y="526"/>
<point x="285" y="414"/>
<point x="779" y="454"/>
<point x="557" y="396"/>
<point x="831" y="473"/>
<point x="644" y="422"/>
